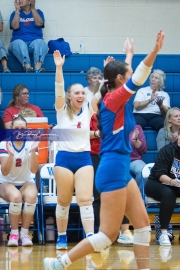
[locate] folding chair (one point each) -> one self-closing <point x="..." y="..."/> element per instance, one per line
<point x="49" y="200"/>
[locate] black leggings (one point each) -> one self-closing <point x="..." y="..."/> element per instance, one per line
<point x="167" y="196"/>
<point x="156" y="121"/>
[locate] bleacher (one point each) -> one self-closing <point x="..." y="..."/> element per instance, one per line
<point x="41" y="86"/>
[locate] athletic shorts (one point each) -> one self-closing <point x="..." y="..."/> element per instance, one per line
<point x="73" y="161"/>
<point x="18" y="186"/>
<point x="113" y="172"/>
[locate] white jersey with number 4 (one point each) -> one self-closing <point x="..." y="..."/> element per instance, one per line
<point x="74" y="134"/>
<point x="20" y="171"/>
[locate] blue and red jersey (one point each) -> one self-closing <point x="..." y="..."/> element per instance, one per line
<point x="117" y="120"/>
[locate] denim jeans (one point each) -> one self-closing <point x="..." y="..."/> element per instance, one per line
<point x="21" y="50"/>
<point x="2" y="50"/>
<point x="136" y="167"/>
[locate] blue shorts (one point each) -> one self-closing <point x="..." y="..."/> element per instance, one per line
<point x="73" y="161"/>
<point x="113" y="172"/>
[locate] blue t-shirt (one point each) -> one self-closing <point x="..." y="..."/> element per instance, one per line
<point x="117" y="120"/>
<point x="27" y="30"/>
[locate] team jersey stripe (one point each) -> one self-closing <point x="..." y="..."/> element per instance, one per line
<point x="130" y="86"/>
<point x="117" y="130"/>
<point x="3" y="151"/>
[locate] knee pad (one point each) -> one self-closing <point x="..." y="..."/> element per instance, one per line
<point x="15" y="208"/>
<point x="99" y="241"/>
<point x="142" y="236"/>
<point x="29" y="208"/>
<point x="87" y="212"/>
<point x="62" y="211"/>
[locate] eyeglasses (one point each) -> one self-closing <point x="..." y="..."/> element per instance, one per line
<point x="25" y="94"/>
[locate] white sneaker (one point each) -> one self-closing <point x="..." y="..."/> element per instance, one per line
<point x="164" y="239"/>
<point x="126" y="255"/>
<point x="165" y="253"/>
<point x="52" y="264"/>
<point x="126" y="238"/>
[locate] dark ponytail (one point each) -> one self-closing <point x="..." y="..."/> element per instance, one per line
<point x="111" y="70"/>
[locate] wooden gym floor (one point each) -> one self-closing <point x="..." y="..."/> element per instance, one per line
<point x="117" y="257"/>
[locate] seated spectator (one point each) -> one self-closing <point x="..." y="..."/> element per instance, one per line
<point x="18" y="161"/>
<point x="93" y="76"/>
<point x="3" y="54"/>
<point x="139" y="147"/>
<point x="27" y="112"/>
<point x="27" y="37"/>
<point x="169" y="133"/>
<point x="163" y="185"/>
<point x="19" y="102"/>
<point x="152" y="103"/>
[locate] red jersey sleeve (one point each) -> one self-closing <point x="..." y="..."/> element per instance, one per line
<point x="116" y="99"/>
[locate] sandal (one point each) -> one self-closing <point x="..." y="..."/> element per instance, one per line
<point x="6" y="70"/>
<point x="29" y="69"/>
<point x="40" y="70"/>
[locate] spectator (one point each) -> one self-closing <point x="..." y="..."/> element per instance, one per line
<point x="163" y="185"/>
<point x="169" y="133"/>
<point x="27" y="112"/>
<point x="27" y="37"/>
<point x="151" y="103"/>
<point x="139" y="147"/>
<point x="93" y="76"/>
<point x="18" y="162"/>
<point x="3" y="54"/>
<point x="19" y="102"/>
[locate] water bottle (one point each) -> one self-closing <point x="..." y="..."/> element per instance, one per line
<point x="82" y="47"/>
<point x="1" y="228"/>
<point x="50" y="234"/>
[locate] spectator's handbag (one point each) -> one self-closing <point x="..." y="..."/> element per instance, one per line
<point x="61" y="45"/>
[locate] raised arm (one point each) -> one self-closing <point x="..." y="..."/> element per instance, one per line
<point x="144" y="68"/>
<point x="97" y="96"/>
<point x="6" y="162"/>
<point x="34" y="165"/>
<point x="129" y="50"/>
<point x="150" y="58"/>
<point x="59" y="80"/>
<point x="37" y="18"/>
<point x="15" y="21"/>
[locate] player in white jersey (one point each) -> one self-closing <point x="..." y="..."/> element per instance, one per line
<point x="73" y="165"/>
<point x="18" y="162"/>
